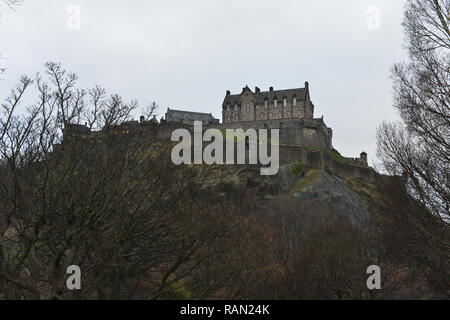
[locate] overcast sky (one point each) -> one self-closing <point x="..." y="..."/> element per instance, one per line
<point x="186" y="54"/>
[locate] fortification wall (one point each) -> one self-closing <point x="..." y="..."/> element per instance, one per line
<point x="294" y="145"/>
<point x="322" y="161"/>
<point x="299" y="132"/>
<point x="296" y="139"/>
<point x="292" y="154"/>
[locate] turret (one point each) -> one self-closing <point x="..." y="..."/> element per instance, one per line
<point x="363" y="158"/>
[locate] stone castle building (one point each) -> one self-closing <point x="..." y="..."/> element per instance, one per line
<point x="291" y="111"/>
<point x="267" y="105"/>
<point x="188" y="117"/>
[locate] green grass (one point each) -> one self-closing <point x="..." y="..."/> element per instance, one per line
<point x="313" y="148"/>
<point x="362" y="187"/>
<point x="298" y="168"/>
<point x="336" y="156"/>
<point x="308" y="179"/>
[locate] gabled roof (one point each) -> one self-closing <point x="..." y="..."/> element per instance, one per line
<point x="187" y="112"/>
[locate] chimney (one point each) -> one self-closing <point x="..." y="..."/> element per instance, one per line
<point x="271" y="89"/>
<point x="306" y="84"/>
<point x="257" y="90"/>
<point x="228" y="92"/>
<point x="142" y="119"/>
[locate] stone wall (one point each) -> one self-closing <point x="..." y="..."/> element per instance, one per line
<point x="322" y="161"/>
<point x="296" y="139"/>
<point x="301" y="132"/>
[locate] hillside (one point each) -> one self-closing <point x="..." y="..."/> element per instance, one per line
<point x="141" y="227"/>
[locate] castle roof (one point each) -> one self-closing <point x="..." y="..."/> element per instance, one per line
<point x="187" y="112"/>
<point x="181" y="115"/>
<point x="261" y="96"/>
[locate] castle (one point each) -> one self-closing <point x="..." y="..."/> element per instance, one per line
<point x="290" y="110"/>
<point x="302" y="138"/>
<point x="268" y="105"/>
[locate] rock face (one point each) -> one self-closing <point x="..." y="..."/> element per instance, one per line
<point x="311" y="189"/>
<point x="332" y="194"/>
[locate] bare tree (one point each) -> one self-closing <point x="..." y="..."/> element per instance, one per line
<point x="13" y="3"/>
<point x="92" y="201"/>
<point x="109" y="200"/>
<point x="418" y="148"/>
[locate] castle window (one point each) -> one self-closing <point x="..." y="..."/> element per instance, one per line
<point x="275" y="103"/>
<point x="280" y="115"/>
<point x="229" y="118"/>
<point x="265" y="104"/>
<point x="284" y="102"/>
<point x="236" y="107"/>
<point x="294" y="101"/>
<point x="270" y="115"/>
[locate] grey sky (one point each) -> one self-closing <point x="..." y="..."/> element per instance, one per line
<point x="186" y="54"/>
